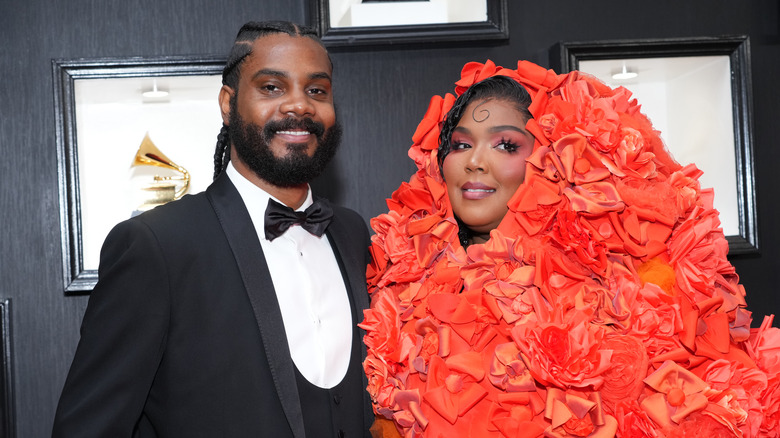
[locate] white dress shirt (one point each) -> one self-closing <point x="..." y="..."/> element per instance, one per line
<point x="310" y="290"/>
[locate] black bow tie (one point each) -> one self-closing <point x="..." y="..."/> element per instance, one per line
<point x="278" y="218"/>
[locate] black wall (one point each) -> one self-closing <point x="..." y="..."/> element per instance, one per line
<point x="381" y="94"/>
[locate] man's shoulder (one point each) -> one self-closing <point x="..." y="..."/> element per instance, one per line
<point x="187" y="205"/>
<point x="348" y="216"/>
<point x="340" y="210"/>
<point x="175" y="226"/>
<point x="184" y="215"/>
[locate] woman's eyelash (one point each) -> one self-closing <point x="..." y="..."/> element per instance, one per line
<point x="509" y="145"/>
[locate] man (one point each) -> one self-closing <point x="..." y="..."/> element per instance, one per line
<point x="206" y="323"/>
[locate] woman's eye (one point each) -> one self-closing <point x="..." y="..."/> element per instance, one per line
<point x="459" y="146"/>
<point x="506" y="146"/>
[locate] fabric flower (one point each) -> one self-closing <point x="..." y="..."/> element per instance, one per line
<point x="509" y="372"/>
<point x="737" y="392"/>
<point x="564" y="355"/>
<point x="764" y="348"/>
<point x="574" y="414"/>
<point x="633" y="421"/>
<point x="698" y="424"/>
<point x="383" y="328"/>
<point x="678" y="394"/>
<point x="517" y="414"/>
<point x="628" y="366"/>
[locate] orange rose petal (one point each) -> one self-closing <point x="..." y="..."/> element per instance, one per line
<point x="655" y="407"/>
<point x="467" y="363"/>
<point x="533" y="128"/>
<point x="469" y="398"/>
<point x="445" y="336"/>
<point x="464" y="313"/>
<point x="655" y="248"/>
<point x="709" y="305"/>
<point x="560" y="413"/>
<point x="443" y="403"/>
<point x="718" y="332"/>
<point x="538" y="74"/>
<point x="430" y="120"/>
<point x="631" y="225"/>
<point x="607" y="430"/>
<point x="578" y="405"/>
<point x="690" y="320"/>
<point x="443" y="306"/>
<point x="465" y="331"/>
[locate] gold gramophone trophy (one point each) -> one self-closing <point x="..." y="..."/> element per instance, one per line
<point x="162" y="188"/>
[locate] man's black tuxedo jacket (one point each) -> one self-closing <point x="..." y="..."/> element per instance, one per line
<point x="183" y="336"/>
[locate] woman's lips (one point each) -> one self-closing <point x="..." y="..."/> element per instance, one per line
<point x="476" y="191"/>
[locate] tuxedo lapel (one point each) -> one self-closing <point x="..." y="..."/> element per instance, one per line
<point x="241" y="235"/>
<point x="354" y="259"/>
<point x="353" y="263"/>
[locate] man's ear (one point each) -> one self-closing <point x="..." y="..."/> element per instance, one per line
<point x="225" y="93"/>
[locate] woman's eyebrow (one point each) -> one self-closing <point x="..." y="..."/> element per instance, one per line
<point x="500" y="128"/>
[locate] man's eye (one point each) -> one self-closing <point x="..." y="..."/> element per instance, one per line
<point x="318" y="93"/>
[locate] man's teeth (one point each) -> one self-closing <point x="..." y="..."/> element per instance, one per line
<point x="293" y="132"/>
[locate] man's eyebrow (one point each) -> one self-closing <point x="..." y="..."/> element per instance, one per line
<point x="320" y="75"/>
<point x="284" y="74"/>
<point x="269" y="72"/>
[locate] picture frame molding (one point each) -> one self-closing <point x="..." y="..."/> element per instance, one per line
<point x="76" y="278"/>
<point x="495" y="28"/>
<point x="566" y="56"/>
<point x="7" y="406"/>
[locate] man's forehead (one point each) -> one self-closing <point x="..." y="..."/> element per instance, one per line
<point x="288" y="54"/>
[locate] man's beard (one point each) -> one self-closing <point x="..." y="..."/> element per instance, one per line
<point x="252" y="144"/>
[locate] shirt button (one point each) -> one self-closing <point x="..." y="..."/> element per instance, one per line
<point x="341" y="433"/>
<point x="337" y="399"/>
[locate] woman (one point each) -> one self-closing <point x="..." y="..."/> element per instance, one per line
<point x="551" y="271"/>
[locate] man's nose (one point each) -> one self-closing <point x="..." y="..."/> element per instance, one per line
<point x="297" y="103"/>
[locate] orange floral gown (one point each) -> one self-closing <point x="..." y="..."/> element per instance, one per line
<point x="603" y="304"/>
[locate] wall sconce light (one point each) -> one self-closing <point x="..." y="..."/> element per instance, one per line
<point x="624" y="74"/>
<point x="154" y="93"/>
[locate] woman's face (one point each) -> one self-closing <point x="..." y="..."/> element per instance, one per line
<point x="486" y="164"/>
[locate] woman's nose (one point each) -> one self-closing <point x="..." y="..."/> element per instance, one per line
<point x="476" y="160"/>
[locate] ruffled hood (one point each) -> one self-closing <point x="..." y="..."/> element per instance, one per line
<point x="602" y="305"/>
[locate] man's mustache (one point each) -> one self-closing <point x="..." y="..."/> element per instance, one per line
<point x="290" y="123"/>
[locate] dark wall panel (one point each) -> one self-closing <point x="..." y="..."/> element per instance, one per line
<point x="46" y="323"/>
<point x="381" y="94"/>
